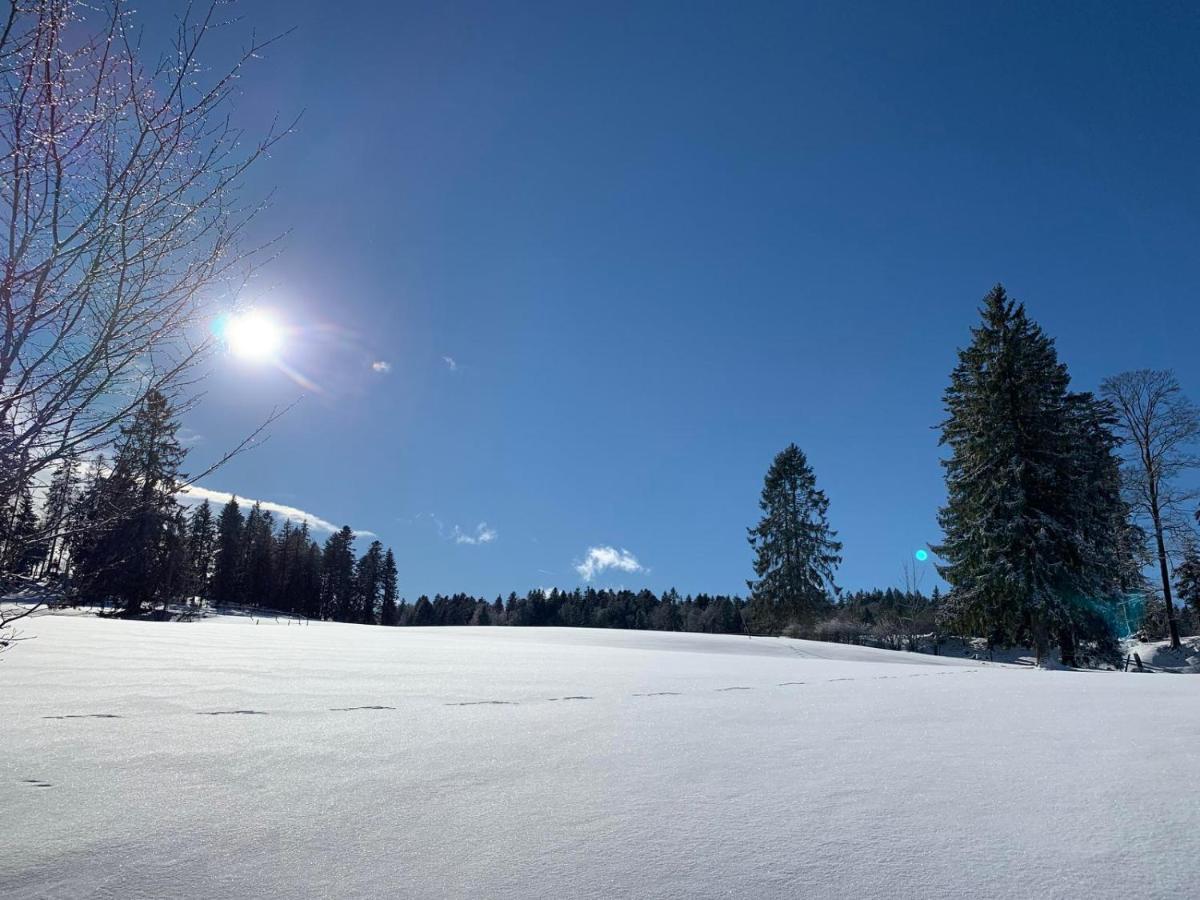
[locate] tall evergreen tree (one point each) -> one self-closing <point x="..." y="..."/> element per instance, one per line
<point x="286" y="568"/>
<point x="796" y="552"/>
<point x="202" y="548"/>
<point x="258" y="547"/>
<point x="136" y="513"/>
<point x="369" y="584"/>
<point x="175" y="567"/>
<point x="311" y="575"/>
<point x="337" y="592"/>
<point x="227" y="578"/>
<point x="388" y="610"/>
<point x="22" y="543"/>
<point x="1033" y="517"/>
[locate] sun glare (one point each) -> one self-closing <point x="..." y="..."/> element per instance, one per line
<point x="253" y="335"/>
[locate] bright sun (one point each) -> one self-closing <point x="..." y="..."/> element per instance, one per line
<point x="253" y="335"/>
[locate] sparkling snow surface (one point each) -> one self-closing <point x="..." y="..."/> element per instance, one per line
<point x="225" y="759"/>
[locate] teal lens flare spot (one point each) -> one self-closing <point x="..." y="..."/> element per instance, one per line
<point x="921" y="555"/>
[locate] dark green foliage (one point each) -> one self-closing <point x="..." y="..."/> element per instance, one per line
<point x="289" y="582"/>
<point x="130" y="549"/>
<point x="22" y="547"/>
<point x="201" y="551"/>
<point x="1187" y="579"/>
<point x="583" y="608"/>
<point x="388" y="611"/>
<point x="311" y="581"/>
<point x="258" y="553"/>
<point x="227" y="579"/>
<point x="337" y="568"/>
<point x="423" y="613"/>
<point x="796" y="552"/>
<point x="1035" y="531"/>
<point x="368" y="585"/>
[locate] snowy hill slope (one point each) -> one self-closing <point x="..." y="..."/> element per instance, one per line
<point x="229" y="759"/>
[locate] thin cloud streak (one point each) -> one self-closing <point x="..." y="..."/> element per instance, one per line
<point x="482" y="535"/>
<point x="195" y="495"/>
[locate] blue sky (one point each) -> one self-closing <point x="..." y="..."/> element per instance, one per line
<point x="661" y="241"/>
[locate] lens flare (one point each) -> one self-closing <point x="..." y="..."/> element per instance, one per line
<point x="921" y="555"/>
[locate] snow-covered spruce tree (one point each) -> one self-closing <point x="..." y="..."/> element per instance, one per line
<point x="128" y="550"/>
<point x="796" y="552"/>
<point x="1034" y="529"/>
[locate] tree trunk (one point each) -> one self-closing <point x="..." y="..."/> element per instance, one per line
<point x="1066" y="640"/>
<point x="1037" y="630"/>
<point x="1172" y="625"/>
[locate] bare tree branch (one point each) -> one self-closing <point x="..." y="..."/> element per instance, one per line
<point x="1160" y="427"/>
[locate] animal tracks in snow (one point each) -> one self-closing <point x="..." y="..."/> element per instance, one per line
<point x="492" y="702"/>
<point x="85" y="716"/>
<point x="484" y="703"/>
<point x="234" y="712"/>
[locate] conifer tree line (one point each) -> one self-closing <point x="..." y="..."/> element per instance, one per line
<point x="121" y="535"/>
<point x="582" y="608"/>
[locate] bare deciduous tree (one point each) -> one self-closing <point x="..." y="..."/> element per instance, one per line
<point x="1160" y="427"/>
<point x="120" y="224"/>
<point x="119" y="221"/>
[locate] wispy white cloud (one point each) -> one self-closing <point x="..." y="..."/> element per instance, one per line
<point x="451" y="363"/>
<point x="382" y="366"/>
<point x="599" y="559"/>
<point x="195" y="495"/>
<point x="482" y="535"/>
<point x="187" y="437"/>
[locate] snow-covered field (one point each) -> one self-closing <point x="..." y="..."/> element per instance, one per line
<point x="227" y="759"/>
